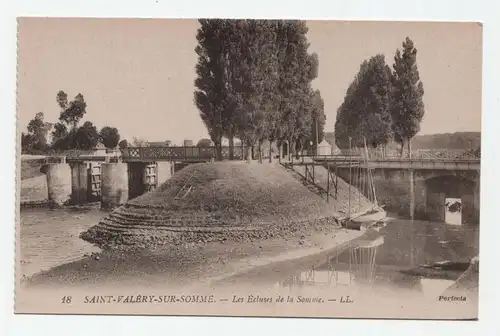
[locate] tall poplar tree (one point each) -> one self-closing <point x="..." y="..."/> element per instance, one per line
<point x="213" y="95"/>
<point x="297" y="69"/>
<point x="254" y="79"/>
<point x="407" y="108"/>
<point x="318" y="120"/>
<point x="365" y="112"/>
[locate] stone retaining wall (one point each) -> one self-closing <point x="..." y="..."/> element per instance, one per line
<point x="107" y="234"/>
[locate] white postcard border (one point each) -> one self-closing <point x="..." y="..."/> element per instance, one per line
<point x="450" y="10"/>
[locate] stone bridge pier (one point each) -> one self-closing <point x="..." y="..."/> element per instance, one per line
<point x="79" y="182"/>
<point x="421" y="194"/>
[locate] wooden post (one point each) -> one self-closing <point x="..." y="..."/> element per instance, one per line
<point x="336" y="182"/>
<point x="412" y="194"/>
<point x="328" y="185"/>
<point x="317" y="136"/>
<point x="313" y="177"/>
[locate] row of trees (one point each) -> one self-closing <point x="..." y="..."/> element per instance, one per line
<point x="383" y="104"/>
<point x="67" y="133"/>
<point x="254" y="83"/>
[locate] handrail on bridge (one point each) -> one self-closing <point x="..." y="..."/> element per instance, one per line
<point x="194" y="153"/>
<point x="418" y="155"/>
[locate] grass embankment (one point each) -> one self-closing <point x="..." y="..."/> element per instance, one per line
<point x="232" y="201"/>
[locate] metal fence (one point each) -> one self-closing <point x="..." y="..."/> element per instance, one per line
<point x="419" y="154"/>
<point x="179" y="153"/>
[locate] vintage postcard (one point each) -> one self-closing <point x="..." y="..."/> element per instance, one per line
<point x="248" y="167"/>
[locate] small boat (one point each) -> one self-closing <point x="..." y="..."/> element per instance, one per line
<point x="375" y="216"/>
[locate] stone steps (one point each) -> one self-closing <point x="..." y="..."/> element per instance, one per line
<point x="132" y="221"/>
<point x="110" y="225"/>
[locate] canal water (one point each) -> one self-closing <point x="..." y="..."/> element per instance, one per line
<point x="412" y="258"/>
<point x="50" y="237"/>
<point x="390" y="259"/>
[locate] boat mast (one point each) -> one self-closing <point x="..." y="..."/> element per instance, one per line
<point x="369" y="175"/>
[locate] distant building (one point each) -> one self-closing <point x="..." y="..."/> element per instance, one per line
<point x="159" y="143"/>
<point x="330" y="138"/>
<point x="188" y="143"/>
<point x="324" y="148"/>
<point x="99" y="150"/>
<point x="225" y="142"/>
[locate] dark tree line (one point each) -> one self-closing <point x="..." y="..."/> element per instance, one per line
<point x="67" y="133"/>
<point x="254" y="83"/>
<point x="382" y="105"/>
<point x="35" y="139"/>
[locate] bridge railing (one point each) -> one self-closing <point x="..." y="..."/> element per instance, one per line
<point x="153" y="153"/>
<point x="419" y="154"/>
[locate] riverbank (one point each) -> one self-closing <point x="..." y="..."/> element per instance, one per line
<point x="49" y="238"/>
<point x="187" y="264"/>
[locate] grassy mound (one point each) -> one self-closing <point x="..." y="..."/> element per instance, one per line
<point x="237" y="189"/>
<point x="227" y="200"/>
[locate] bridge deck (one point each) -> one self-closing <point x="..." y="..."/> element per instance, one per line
<point x="442" y="160"/>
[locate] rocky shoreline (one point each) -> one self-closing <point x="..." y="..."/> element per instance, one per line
<point x="120" y="228"/>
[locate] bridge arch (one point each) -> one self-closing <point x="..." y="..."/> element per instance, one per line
<point x="438" y="188"/>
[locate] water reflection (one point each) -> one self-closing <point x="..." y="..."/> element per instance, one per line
<point x="384" y="259"/>
<point x="359" y="268"/>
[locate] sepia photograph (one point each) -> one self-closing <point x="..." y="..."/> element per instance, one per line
<point x="248" y="167"/>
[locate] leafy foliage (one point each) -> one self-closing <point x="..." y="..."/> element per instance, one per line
<point x="318" y="119"/>
<point x="66" y="133"/>
<point x="60" y="137"/>
<point x="36" y="136"/>
<point x="297" y="69"/>
<point x="72" y="112"/>
<point x="365" y="112"/>
<point x="123" y="144"/>
<point x="408" y="108"/>
<point x="86" y="137"/>
<point x="109" y="137"/>
<point x="383" y="105"/>
<point x="204" y="143"/>
<point x="213" y="94"/>
<point x="138" y="142"/>
<point x="254" y="80"/>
